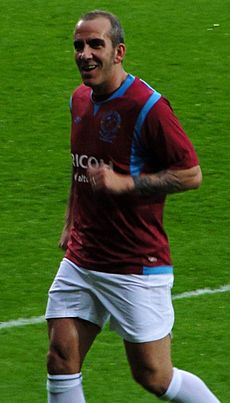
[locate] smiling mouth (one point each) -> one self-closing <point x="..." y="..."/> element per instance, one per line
<point x="88" y="68"/>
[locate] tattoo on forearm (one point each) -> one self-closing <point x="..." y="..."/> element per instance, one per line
<point x="163" y="182"/>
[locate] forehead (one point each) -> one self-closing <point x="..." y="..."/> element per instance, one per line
<point x="96" y="28"/>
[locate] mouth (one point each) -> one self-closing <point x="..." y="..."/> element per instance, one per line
<point x="88" y="68"/>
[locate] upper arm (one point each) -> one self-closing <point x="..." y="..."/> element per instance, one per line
<point x="166" y="140"/>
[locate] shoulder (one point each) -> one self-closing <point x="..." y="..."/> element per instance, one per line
<point x="153" y="96"/>
<point x="161" y="112"/>
<point x="81" y="91"/>
<point x="143" y="96"/>
<point x="140" y="89"/>
<point x="163" y="106"/>
<point x="80" y="95"/>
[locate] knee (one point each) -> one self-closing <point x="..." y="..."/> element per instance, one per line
<point x="63" y="356"/>
<point x="155" y="381"/>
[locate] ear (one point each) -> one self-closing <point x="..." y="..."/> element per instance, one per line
<point x="119" y="53"/>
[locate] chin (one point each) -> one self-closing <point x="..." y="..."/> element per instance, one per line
<point x="90" y="82"/>
<point x="97" y="87"/>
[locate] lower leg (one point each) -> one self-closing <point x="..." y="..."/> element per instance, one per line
<point x="188" y="388"/>
<point x="152" y="368"/>
<point x="70" y="339"/>
<point x="65" y="389"/>
<point x="151" y="365"/>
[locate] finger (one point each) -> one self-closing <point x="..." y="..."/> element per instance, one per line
<point x="105" y="166"/>
<point x="93" y="182"/>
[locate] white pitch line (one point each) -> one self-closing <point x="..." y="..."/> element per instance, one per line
<point x="183" y="295"/>
<point x="22" y="322"/>
<point x="203" y="291"/>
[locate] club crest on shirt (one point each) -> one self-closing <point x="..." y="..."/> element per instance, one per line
<point x="110" y="123"/>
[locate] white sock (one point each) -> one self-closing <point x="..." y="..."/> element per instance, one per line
<point x="65" y="388"/>
<point x="188" y="388"/>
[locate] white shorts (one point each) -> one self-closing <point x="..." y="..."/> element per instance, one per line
<point x="139" y="306"/>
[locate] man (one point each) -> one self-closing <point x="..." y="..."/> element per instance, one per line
<point x="129" y="151"/>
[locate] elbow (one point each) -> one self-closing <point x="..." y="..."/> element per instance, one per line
<point x="196" y="181"/>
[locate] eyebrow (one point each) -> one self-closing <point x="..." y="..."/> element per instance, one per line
<point x="79" y="43"/>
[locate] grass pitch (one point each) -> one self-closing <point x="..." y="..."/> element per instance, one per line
<point x="180" y="48"/>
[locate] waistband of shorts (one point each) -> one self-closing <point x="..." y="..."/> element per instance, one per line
<point x="157" y="270"/>
<point x="145" y="270"/>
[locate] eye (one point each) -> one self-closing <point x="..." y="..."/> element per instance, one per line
<point x="78" y="45"/>
<point x="96" y="43"/>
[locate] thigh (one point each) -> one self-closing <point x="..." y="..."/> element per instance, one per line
<point x="72" y="296"/>
<point x="151" y="357"/>
<point x="70" y="340"/>
<point x="142" y="309"/>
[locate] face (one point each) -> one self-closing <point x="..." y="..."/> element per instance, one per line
<point x="95" y="56"/>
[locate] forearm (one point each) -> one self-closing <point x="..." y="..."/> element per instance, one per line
<point x="163" y="182"/>
<point x="168" y="181"/>
<point x="69" y="220"/>
<point x="69" y="215"/>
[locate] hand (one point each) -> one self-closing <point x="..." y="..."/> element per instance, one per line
<point x="104" y="178"/>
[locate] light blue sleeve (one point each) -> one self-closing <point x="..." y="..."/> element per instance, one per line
<point x="70" y="104"/>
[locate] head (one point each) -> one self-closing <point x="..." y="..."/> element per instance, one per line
<point x="99" y="50"/>
<point x="116" y="32"/>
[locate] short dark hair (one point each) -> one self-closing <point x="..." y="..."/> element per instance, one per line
<point x="116" y="32"/>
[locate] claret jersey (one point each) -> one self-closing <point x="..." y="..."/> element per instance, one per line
<point x="136" y="132"/>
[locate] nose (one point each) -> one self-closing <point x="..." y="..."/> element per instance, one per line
<point x="86" y="52"/>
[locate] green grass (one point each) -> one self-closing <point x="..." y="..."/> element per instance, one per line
<point x="198" y="346"/>
<point x="175" y="47"/>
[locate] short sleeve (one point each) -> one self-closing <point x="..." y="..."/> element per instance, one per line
<point x="71" y="103"/>
<point x="163" y="136"/>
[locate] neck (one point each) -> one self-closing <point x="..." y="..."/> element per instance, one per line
<point x="103" y="92"/>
